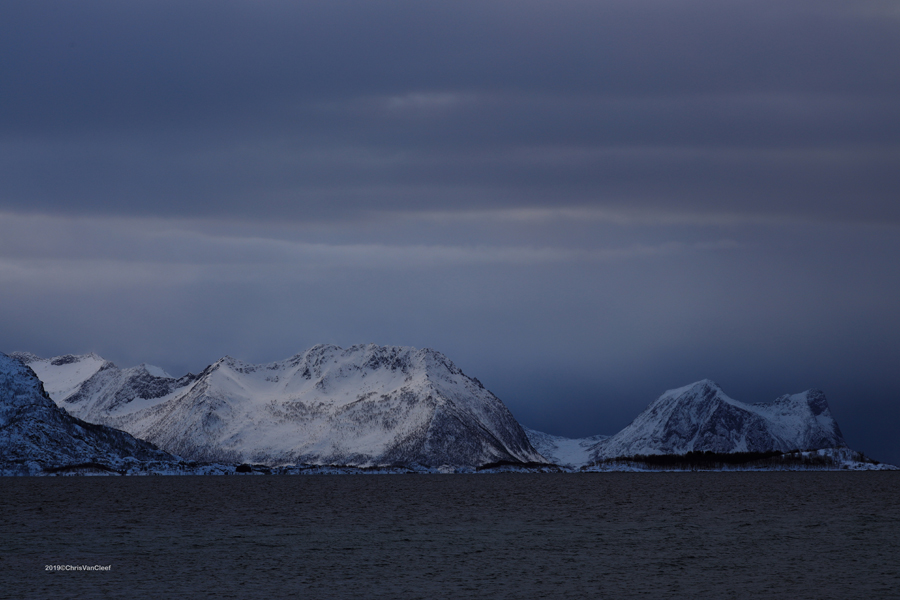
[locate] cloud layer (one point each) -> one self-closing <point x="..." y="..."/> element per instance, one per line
<point x="582" y="203"/>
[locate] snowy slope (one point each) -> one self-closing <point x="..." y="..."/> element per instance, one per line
<point x="565" y="452"/>
<point x="364" y="405"/>
<point x="35" y="433"/>
<point x="62" y="375"/>
<point x="700" y="417"/>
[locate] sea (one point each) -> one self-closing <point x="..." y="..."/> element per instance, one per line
<point x="495" y="536"/>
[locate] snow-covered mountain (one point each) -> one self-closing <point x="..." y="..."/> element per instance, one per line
<point x="364" y="405"/>
<point x="372" y="405"/>
<point x="563" y="451"/>
<point x="35" y="433"/>
<point x="700" y="417"/>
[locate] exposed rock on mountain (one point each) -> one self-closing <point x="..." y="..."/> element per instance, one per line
<point x="35" y="434"/>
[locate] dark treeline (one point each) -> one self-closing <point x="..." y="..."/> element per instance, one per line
<point x="721" y="460"/>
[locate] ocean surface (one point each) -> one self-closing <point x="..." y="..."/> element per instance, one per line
<point x="497" y="536"/>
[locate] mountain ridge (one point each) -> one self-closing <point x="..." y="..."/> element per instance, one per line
<point x="365" y="405"/>
<point x="386" y="406"/>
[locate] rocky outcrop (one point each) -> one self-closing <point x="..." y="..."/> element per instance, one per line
<point x="37" y="435"/>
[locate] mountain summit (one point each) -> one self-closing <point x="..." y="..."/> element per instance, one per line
<point x="700" y="417"/>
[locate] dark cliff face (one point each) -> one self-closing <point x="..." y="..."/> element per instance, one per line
<point x="112" y="387"/>
<point x="35" y="431"/>
<point x="816" y="401"/>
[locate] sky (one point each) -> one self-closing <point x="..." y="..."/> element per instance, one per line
<point x="580" y="203"/>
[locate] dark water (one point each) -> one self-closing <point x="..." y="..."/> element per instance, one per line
<point x="608" y="535"/>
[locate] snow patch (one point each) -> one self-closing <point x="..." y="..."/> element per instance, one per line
<point x="63" y="375"/>
<point x="156" y="371"/>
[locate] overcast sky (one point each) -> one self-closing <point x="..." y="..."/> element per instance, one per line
<point x="581" y="203"/>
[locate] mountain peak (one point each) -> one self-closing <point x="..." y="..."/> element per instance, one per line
<point x="700" y="417"/>
<point x="154" y="371"/>
<point x="703" y="390"/>
<point x="18" y="380"/>
<point x="24" y="357"/>
<point x="363" y="405"/>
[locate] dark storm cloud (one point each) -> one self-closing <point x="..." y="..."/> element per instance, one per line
<point x="581" y="203"/>
<point x="319" y="109"/>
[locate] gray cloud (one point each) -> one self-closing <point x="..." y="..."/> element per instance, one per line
<point x="319" y="111"/>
